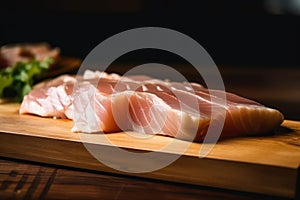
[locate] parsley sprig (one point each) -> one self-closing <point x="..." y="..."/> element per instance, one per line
<point x="18" y="80"/>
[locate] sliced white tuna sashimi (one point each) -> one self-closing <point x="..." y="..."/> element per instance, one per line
<point x="50" y="98"/>
<point x="110" y="103"/>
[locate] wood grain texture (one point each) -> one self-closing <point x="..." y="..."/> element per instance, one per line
<point x="266" y="164"/>
<point x="20" y="180"/>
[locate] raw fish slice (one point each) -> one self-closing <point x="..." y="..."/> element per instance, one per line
<point x="242" y="117"/>
<point x="50" y="98"/>
<point x="129" y="110"/>
<point x="110" y="103"/>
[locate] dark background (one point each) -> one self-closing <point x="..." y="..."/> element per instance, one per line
<point x="255" y="43"/>
<point x="234" y="33"/>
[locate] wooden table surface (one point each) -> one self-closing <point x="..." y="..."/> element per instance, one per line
<point x="27" y="180"/>
<point x="20" y="179"/>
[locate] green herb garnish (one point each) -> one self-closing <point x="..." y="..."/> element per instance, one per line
<point x="18" y="80"/>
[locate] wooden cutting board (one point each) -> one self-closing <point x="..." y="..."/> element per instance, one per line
<point x="266" y="164"/>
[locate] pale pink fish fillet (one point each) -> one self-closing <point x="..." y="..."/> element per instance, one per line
<point x="130" y="110"/>
<point x="53" y="98"/>
<point x="50" y="98"/>
<point x="181" y="110"/>
<point x="242" y="116"/>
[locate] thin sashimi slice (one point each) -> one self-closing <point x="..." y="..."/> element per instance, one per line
<point x="50" y="98"/>
<point x="53" y="98"/>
